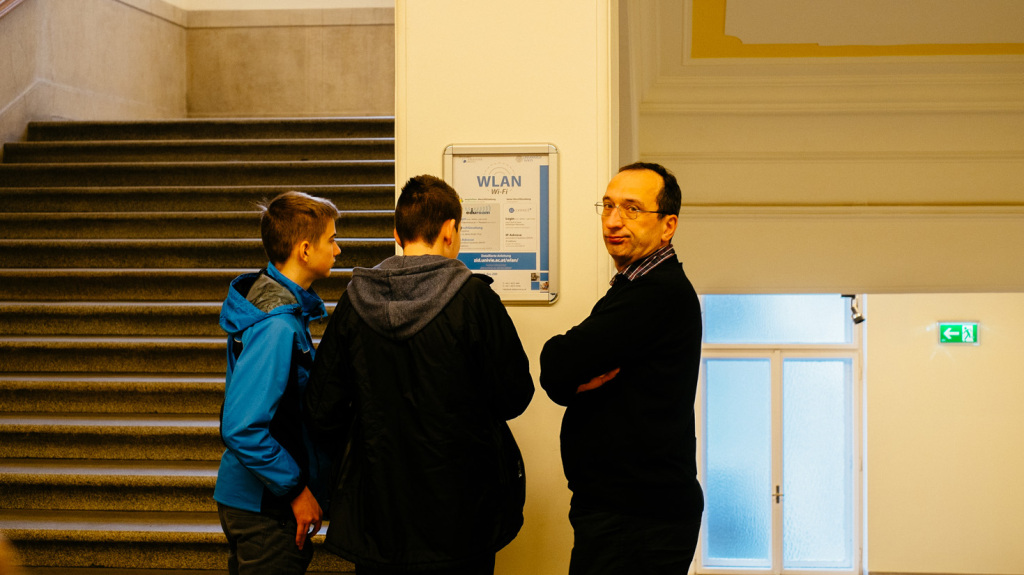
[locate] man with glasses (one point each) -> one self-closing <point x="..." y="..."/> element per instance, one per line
<point x="627" y="376"/>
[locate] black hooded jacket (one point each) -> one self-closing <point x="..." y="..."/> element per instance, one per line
<point x="414" y="379"/>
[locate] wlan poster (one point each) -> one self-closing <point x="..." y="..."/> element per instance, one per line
<point x="507" y="221"/>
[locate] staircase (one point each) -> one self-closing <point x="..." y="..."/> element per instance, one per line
<point x="117" y="244"/>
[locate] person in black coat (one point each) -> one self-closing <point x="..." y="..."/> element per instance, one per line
<point x="417" y="373"/>
<point x="627" y="376"/>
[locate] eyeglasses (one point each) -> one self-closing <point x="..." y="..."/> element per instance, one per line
<point x="604" y="209"/>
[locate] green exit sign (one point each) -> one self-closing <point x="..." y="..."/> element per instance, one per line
<point x="958" y="332"/>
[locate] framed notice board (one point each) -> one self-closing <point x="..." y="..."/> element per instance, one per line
<point x="509" y="216"/>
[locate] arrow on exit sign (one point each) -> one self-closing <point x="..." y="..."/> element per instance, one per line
<point x="958" y="332"/>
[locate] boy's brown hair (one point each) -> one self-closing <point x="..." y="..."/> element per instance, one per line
<point x="425" y="204"/>
<point x="291" y="218"/>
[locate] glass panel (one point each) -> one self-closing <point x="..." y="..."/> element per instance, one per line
<point x="777" y="319"/>
<point x="817" y="447"/>
<point x="738" y="459"/>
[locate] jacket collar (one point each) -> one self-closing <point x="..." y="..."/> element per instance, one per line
<point x="311" y="304"/>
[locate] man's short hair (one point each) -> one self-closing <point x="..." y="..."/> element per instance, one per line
<point x="424" y="205"/>
<point x="670" y="197"/>
<point x="291" y="218"/>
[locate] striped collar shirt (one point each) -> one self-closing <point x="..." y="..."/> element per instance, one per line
<point x="640" y="268"/>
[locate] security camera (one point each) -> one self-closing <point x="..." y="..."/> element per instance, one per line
<point x="855" y="314"/>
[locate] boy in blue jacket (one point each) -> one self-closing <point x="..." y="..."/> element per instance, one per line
<point x="267" y="484"/>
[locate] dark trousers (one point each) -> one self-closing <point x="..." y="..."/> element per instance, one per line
<point x="261" y="545"/>
<point x="612" y="544"/>
<point x="484" y="567"/>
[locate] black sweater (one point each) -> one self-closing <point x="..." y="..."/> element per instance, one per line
<point x="629" y="446"/>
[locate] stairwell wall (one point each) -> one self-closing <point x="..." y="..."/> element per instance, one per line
<point x="90" y="60"/>
<point x="18" y="31"/>
<point x="150" y="59"/>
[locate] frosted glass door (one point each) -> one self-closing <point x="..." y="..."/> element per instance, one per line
<point x="817" y="463"/>
<point x="738" y="463"/>
<point x="778" y="463"/>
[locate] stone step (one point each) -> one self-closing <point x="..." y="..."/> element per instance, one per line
<point x="116" y="539"/>
<point x="162" y="319"/>
<point x="184" y="198"/>
<point x="317" y="566"/>
<point x="169" y="253"/>
<point x="31" y="354"/>
<point x="108" y="485"/>
<point x="108" y="284"/>
<point x="111" y="318"/>
<point x="319" y="172"/>
<point x="106" y="436"/>
<point x="202" y="129"/>
<point x="131" y="540"/>
<point x="108" y="571"/>
<point x="165" y="225"/>
<point x="199" y="151"/>
<point x="112" y="393"/>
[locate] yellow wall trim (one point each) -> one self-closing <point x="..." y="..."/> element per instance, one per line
<point x="710" y="41"/>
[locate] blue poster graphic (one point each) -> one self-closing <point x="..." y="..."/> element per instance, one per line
<point x="493" y="261"/>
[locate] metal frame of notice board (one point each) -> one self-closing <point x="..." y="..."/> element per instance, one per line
<point x="509" y="216"/>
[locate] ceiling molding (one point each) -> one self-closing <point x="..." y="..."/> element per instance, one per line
<point x="866" y="29"/>
<point x="983" y="93"/>
<point x="961" y="213"/>
<point x="672" y="82"/>
<point x="831" y="157"/>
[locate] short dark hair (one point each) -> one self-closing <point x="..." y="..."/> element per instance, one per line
<point x="670" y="197"/>
<point x="291" y="218"/>
<point x="425" y="204"/>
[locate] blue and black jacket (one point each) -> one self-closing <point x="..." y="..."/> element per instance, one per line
<point x="269" y="457"/>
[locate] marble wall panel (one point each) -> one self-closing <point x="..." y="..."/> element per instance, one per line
<point x="19" y="53"/>
<point x="358" y="71"/>
<point x="291" y="63"/>
<point x="246" y="71"/>
<point x="112" y="51"/>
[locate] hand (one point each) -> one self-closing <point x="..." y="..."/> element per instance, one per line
<point x="307" y="514"/>
<point x="598" y="381"/>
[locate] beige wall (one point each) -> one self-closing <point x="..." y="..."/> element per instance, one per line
<point x="90" y="59"/>
<point x="530" y="71"/>
<point x="945" y="436"/>
<point x="839" y="173"/>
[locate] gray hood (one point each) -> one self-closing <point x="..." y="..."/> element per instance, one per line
<point x="402" y="294"/>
